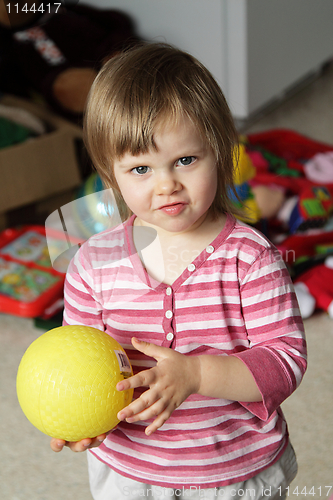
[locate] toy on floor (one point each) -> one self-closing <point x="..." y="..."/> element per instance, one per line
<point x="66" y="382"/>
<point x="243" y="172"/>
<point x="28" y="284"/>
<point x="314" y="289"/>
<point x="313" y="209"/>
<point x="320" y="168"/>
<point x="292" y="186"/>
<point x="257" y="201"/>
<point x="298" y="246"/>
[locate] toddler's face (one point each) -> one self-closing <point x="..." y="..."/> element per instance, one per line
<point x="170" y="188"/>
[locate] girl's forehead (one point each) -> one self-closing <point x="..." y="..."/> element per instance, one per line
<point x="171" y="141"/>
<point x="169" y="122"/>
<point x="179" y="133"/>
<point x="180" y="129"/>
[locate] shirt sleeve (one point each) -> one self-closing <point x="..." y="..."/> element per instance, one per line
<point x="277" y="354"/>
<point x="81" y="303"/>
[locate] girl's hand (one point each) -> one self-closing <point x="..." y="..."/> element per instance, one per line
<point x="83" y="445"/>
<point x="170" y="382"/>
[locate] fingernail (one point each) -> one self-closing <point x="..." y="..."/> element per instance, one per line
<point x="120" y="386"/>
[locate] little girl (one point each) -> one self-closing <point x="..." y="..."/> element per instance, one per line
<point x="207" y="313"/>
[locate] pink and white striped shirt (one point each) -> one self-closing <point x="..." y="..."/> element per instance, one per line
<point x="236" y="298"/>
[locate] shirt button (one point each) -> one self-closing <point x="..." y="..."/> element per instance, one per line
<point x="170" y="336"/>
<point x="168" y="314"/>
<point x="191" y="267"/>
<point x="210" y="249"/>
<point x="168" y="290"/>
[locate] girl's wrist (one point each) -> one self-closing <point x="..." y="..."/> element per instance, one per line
<point x="194" y="373"/>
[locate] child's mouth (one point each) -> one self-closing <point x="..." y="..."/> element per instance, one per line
<point x="173" y="209"/>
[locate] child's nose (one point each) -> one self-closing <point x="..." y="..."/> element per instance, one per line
<point x="166" y="184"/>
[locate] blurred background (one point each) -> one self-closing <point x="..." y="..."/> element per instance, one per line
<point x="273" y="61"/>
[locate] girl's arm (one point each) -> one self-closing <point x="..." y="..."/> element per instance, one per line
<point x="227" y="377"/>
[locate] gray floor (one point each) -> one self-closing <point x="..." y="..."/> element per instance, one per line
<point x="29" y="470"/>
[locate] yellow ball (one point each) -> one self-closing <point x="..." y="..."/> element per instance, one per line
<point x="66" y="382"/>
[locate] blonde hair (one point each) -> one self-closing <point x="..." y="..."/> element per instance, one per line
<point x="138" y="89"/>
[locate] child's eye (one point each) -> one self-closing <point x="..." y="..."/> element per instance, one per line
<point x="140" y="170"/>
<point x="186" y="160"/>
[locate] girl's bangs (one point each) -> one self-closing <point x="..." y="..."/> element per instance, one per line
<point x="132" y="130"/>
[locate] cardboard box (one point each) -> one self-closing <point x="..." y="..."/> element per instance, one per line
<point x="40" y="167"/>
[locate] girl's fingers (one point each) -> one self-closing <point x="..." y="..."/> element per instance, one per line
<point x="57" y="444"/>
<point x="161" y="409"/>
<point x="77" y="446"/>
<point x="138" y="406"/>
<point x="142" y="379"/>
<point x="158" y="422"/>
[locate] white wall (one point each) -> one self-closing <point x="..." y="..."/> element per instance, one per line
<point x="192" y="25"/>
<point x="256" y="49"/>
<point x="287" y="39"/>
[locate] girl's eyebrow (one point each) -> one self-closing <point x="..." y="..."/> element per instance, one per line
<point x="130" y="165"/>
<point x="193" y="152"/>
<point x="123" y="166"/>
<point x="131" y="161"/>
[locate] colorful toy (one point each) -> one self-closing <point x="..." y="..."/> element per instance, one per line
<point x="299" y="219"/>
<point x="314" y="289"/>
<point x="256" y="200"/>
<point x="298" y="246"/>
<point x="66" y="382"/>
<point x="28" y="284"/>
<point x="313" y="209"/>
<point x="243" y="172"/>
